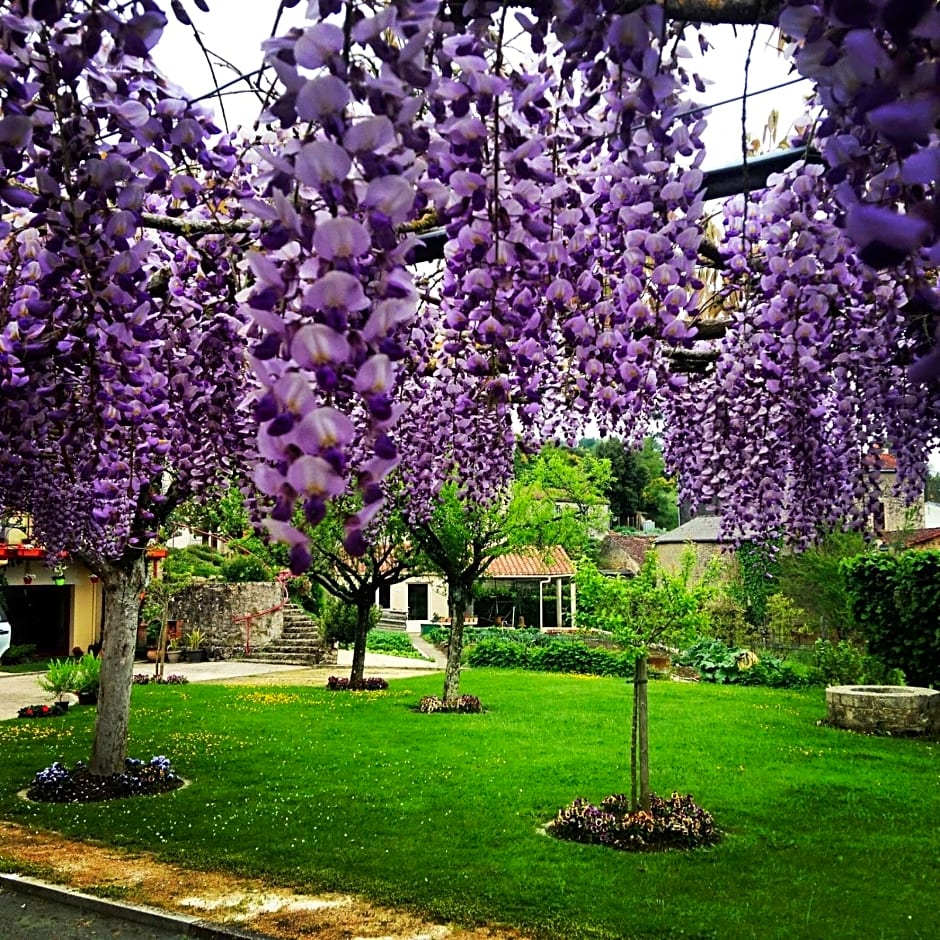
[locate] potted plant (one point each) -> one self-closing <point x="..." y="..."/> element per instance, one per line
<point x="87" y="679"/>
<point x="173" y="651"/>
<point x="61" y="676"/>
<point x="193" y="642"/>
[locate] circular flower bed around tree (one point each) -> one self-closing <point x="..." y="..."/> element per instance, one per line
<point x="464" y="704"/>
<point x="58" y="784"/>
<point x="369" y="684"/>
<point x="674" y="823"/>
<point x="43" y="711"/>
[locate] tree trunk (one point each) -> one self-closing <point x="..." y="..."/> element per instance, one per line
<point x="634" y="801"/>
<point x="458" y="604"/>
<point x="641" y="680"/>
<point x="122" y="588"/>
<point x="357" y="672"/>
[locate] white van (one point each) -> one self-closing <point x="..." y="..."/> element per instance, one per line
<point x="4" y="632"/>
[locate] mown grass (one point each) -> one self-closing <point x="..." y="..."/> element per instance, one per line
<point x="827" y="834"/>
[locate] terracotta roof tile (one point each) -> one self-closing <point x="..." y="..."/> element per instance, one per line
<point x="921" y="536"/>
<point x="531" y="563"/>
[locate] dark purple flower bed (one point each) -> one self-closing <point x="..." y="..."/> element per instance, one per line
<point x="143" y="679"/>
<point x="43" y="711"/>
<point x="369" y="684"/>
<point x="674" y="823"/>
<point x="58" y="784"/>
<point x="464" y="704"/>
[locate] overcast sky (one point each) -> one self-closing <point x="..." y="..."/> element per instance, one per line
<point x="234" y="29"/>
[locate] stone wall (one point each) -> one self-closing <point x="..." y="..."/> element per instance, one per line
<point x="212" y="606"/>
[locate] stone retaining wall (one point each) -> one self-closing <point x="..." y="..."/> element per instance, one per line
<point x="212" y="606"/>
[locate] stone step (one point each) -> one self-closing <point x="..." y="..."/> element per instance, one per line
<point x="288" y="659"/>
<point x="394" y="620"/>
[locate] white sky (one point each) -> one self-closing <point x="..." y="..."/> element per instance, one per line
<point x="235" y="28"/>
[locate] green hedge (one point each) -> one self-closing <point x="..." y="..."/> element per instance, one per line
<point x="895" y="602"/>
<point x="570" y="656"/>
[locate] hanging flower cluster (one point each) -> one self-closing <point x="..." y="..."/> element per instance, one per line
<point x="333" y="297"/>
<point x="119" y="352"/>
<point x="803" y="397"/>
<point x="875" y="69"/>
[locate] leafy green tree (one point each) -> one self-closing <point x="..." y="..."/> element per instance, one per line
<point x="628" y="482"/>
<point x="461" y="538"/>
<point x="388" y="559"/>
<point x="813" y="580"/>
<point x="654" y="606"/>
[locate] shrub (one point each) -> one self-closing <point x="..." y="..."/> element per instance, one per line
<point x="240" y="569"/>
<point x="339" y="620"/>
<point x="839" y="663"/>
<point x="391" y="643"/>
<point x="87" y="674"/>
<point x="19" y="653"/>
<point x="557" y="655"/>
<point x="463" y="704"/>
<point x="60" y="677"/>
<point x="895" y="600"/>
<point x="674" y="823"/>
<point x="368" y="684"/>
<point x="194" y="561"/>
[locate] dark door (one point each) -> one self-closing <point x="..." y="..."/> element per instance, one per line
<point x="418" y="602"/>
<point x="39" y="616"/>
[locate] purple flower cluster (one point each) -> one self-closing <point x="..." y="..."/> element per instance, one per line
<point x="368" y="684"/>
<point x="58" y="784"/>
<point x="460" y="704"/>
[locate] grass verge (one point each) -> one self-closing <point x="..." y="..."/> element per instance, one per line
<point x="826" y="833"/>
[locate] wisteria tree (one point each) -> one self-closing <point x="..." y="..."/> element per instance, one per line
<point x="558" y="146"/>
<point x="121" y="359"/>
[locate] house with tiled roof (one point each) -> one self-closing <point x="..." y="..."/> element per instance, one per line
<point x="531" y="587"/>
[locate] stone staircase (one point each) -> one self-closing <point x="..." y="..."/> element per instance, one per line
<point x="300" y="643"/>
<point x="393" y="620"/>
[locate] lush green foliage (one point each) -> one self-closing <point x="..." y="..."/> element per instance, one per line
<point x="895" y="600"/>
<point x="338" y="620"/>
<point x="671" y="823"/>
<point x="61" y="676"/>
<point x="715" y="661"/>
<point x="555" y="655"/>
<point x="301" y="785"/>
<point x="843" y="663"/>
<point x="18" y="654"/>
<point x="392" y="643"/>
<point x="239" y="569"/>
<point x="194" y="561"/>
<point x="755" y="580"/>
<point x="656" y="605"/>
<point x="813" y="580"/>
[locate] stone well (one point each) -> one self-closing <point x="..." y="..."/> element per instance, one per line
<point x="884" y="709"/>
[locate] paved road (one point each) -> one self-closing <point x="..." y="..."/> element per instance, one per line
<point x="31" y="910"/>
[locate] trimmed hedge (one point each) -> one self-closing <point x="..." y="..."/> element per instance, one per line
<point x="895" y="601"/>
<point x="570" y="656"/>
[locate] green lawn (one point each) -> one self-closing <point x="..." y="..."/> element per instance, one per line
<point x="828" y="834"/>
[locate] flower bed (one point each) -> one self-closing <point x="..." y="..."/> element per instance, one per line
<point x="369" y="684"/>
<point x="143" y="679"/>
<point x="58" y="784"/>
<point x="465" y="704"/>
<point x="43" y="711"/>
<point x="676" y="823"/>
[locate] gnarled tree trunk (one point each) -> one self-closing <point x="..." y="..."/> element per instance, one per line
<point x="123" y="583"/>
